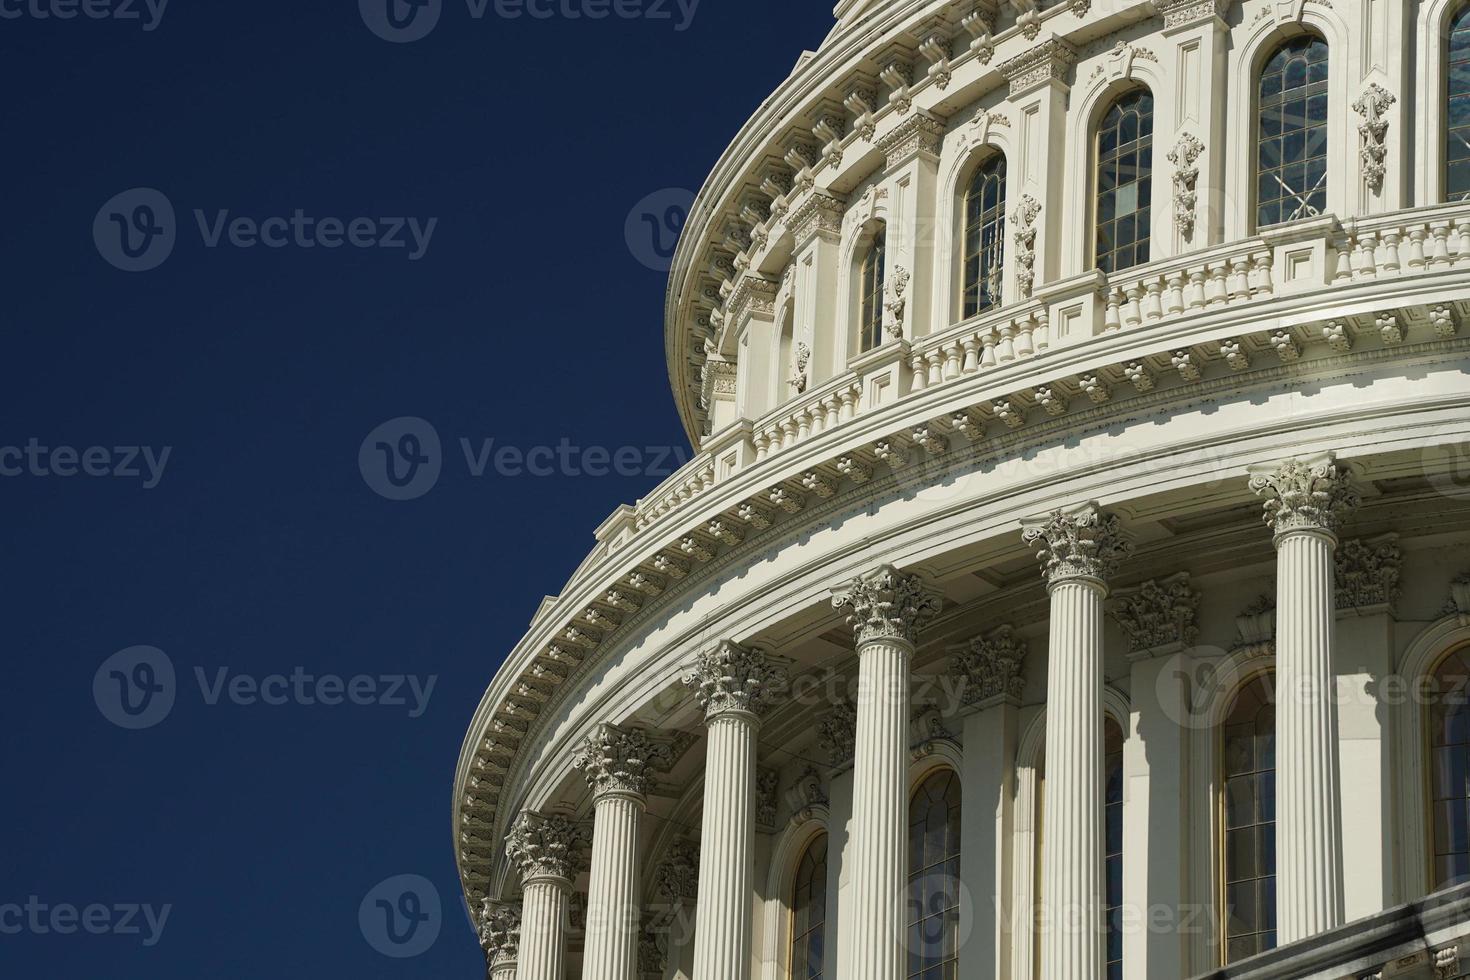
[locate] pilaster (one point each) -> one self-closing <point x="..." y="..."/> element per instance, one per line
<point x="911" y="178"/>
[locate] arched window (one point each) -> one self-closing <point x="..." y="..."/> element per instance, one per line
<point x="1249" y="821"/>
<point x="1113" y="846"/>
<point x="871" y="283"/>
<point x="1457" y="136"/>
<point x="934" y="879"/>
<point x="809" y="913"/>
<point x="985" y="236"/>
<point x="1449" y="741"/>
<point x="1291" y="163"/>
<point x="1125" y="167"/>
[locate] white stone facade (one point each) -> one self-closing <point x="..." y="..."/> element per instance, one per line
<point x="840" y="595"/>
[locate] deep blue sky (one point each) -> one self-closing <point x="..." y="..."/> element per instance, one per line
<point x="262" y="548"/>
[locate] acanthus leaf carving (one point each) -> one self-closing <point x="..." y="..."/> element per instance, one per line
<point x="1305" y="494"/>
<point x="500" y="933"/>
<point x="542" y="845"/>
<point x="1184" y="156"/>
<point x="1367" y="573"/>
<point x="1159" y="615"/>
<point x="731" y="677"/>
<point x="1372" y="106"/>
<point x="990" y="667"/>
<point x="895" y="302"/>
<point x="887" y="604"/>
<point x="1024" y="219"/>
<point x="623" y="760"/>
<point x="1081" y="543"/>
<point x="676" y="879"/>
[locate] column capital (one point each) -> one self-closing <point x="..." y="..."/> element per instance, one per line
<point x="1080" y="543"/>
<point x="623" y="761"/>
<point x="990" y="668"/>
<point x="1311" y="494"/>
<point x="732" y="678"/>
<point x="1159" y="616"/>
<point x="676" y="879"/>
<point x="500" y="933"/>
<point x="887" y="604"/>
<point x="545" y="846"/>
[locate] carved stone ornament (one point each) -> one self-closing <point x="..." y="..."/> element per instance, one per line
<point x="1460" y="598"/>
<point x="887" y="604"/>
<point x="926" y="727"/>
<point x="1083" y="543"/>
<point x="623" y="760"/>
<point x="1025" y="221"/>
<point x="1256" y="629"/>
<point x="651" y="956"/>
<point x="921" y="133"/>
<point x="1046" y="62"/>
<point x="1374" y="131"/>
<point x="1447" y="963"/>
<point x="500" y="933"/>
<point x="837" y="731"/>
<point x="807" y="794"/>
<point x="821" y="213"/>
<point x="1177" y="13"/>
<point x="731" y="677"/>
<point x="990" y="668"/>
<point x="767" y="788"/>
<point x="1159" y="615"/>
<point x="895" y="303"/>
<point x="1368" y="573"/>
<point x="676" y="879"/>
<point x="1306" y="495"/>
<point x="542" y="846"/>
<point x="1184" y="156"/>
<point x="801" y="356"/>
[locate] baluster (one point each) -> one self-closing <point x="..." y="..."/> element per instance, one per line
<point x="1041" y="337"/>
<point x="1025" y="346"/>
<point x="936" y="366"/>
<point x="1218" y="292"/>
<point x="851" y="399"/>
<point x="1417" y="235"/>
<point x="833" y="407"/>
<point x="1441" y="232"/>
<point x="1367" y="258"/>
<point x="1261" y="264"/>
<point x="1133" y="311"/>
<point x="921" y="378"/>
<point x="972" y="355"/>
<point x="1392" y="261"/>
<point x="1153" y="307"/>
<point x="1007" y="350"/>
<point x="1113" y="317"/>
<point x="1463" y="228"/>
<point x="803" y="426"/>
<point x="951" y="362"/>
<point x="1174" y="298"/>
<point x="1196" y="299"/>
<point x="988" y="357"/>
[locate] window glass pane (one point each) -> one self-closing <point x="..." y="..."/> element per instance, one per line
<point x="1449" y="771"/>
<point x="985" y="215"/>
<point x="1291" y="137"/>
<point x="1248" y="809"/>
<point x="933" y="879"/>
<point x="871" y="283"/>
<point x="1124" y="182"/>
<point x="809" y="913"/>
<point x="1457" y="135"/>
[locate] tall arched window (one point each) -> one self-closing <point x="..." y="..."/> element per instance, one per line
<point x="1291" y="163"/>
<point x="1449" y="741"/>
<point x="1113" y="846"/>
<point x="1457" y="135"/>
<point x="809" y="913"/>
<point x="1125" y="167"/>
<point x="934" y="879"/>
<point x="985" y="236"/>
<point x="1249" y="821"/>
<point x="871" y="283"/>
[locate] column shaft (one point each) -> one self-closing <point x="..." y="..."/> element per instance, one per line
<point x="875" y="925"/>
<point x="1309" y="828"/>
<point x="612" y="892"/>
<point x="1072" y="943"/>
<point x="543" y="919"/>
<point x="722" y="934"/>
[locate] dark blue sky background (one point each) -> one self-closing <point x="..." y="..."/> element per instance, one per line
<point x="262" y="548"/>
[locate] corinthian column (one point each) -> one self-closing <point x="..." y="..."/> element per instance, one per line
<point x="545" y="849"/>
<point x="619" y="764"/>
<point x="1306" y="502"/>
<point x="500" y="937"/>
<point x="886" y="608"/>
<point x="734" y="685"/>
<point x="1079" y="549"/>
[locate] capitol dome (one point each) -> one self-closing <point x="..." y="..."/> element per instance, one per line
<point x="1072" y="579"/>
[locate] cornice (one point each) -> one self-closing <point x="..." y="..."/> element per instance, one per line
<point x="507" y="760"/>
<point x="1049" y="61"/>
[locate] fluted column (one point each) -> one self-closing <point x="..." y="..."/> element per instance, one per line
<point x="500" y="936"/>
<point x="619" y="764"/>
<point x="546" y="850"/>
<point x="1306" y="502"/>
<point x="885" y="610"/>
<point x="734" y="685"/>
<point x="1080" y="550"/>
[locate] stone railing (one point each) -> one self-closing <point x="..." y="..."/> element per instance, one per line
<point x="1309" y="257"/>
